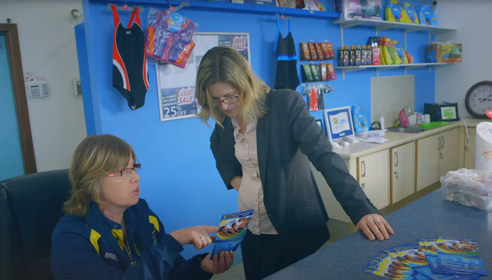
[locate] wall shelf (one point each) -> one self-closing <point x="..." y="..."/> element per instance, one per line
<point x="348" y="69"/>
<point x="382" y="25"/>
<point x="232" y="7"/>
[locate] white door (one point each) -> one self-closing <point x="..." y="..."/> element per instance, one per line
<point x="402" y="171"/>
<point x="448" y="154"/>
<point x="373" y="176"/>
<point x="427" y="161"/>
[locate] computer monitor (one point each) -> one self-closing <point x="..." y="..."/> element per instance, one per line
<point x="338" y="122"/>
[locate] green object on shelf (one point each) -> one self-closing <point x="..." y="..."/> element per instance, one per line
<point x="429" y="125"/>
<point x="432" y="125"/>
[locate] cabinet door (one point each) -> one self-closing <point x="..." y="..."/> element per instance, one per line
<point x="448" y="153"/>
<point x="402" y="171"/>
<point x="470" y="148"/>
<point x="428" y="160"/>
<point x="373" y="176"/>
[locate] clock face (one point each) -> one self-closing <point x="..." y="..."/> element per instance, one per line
<point x="478" y="99"/>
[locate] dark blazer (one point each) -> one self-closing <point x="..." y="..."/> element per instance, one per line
<point x="287" y="139"/>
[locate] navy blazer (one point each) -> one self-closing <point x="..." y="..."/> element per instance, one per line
<point x="287" y="139"/>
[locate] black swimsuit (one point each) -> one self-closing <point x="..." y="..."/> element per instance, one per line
<point x="285" y="48"/>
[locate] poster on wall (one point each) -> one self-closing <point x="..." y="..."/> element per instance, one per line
<point x="176" y="86"/>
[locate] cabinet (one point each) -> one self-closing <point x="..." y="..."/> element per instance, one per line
<point x="436" y="155"/>
<point x="373" y="177"/>
<point x="470" y="148"/>
<point x="402" y="171"/>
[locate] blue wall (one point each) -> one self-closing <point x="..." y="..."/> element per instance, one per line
<point x="12" y="164"/>
<point x="179" y="178"/>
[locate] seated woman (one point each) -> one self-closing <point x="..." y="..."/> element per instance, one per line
<point x="108" y="232"/>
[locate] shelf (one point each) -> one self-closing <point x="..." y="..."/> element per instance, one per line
<point x="382" y="25"/>
<point x="231" y="7"/>
<point x="348" y="69"/>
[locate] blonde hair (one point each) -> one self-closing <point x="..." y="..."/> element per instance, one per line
<point x="226" y="65"/>
<point x="94" y="158"/>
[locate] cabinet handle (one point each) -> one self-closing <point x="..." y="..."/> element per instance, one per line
<point x="396" y="159"/>
<point x="363" y="185"/>
<point x="396" y="174"/>
<point x="363" y="169"/>
<point x="442" y="142"/>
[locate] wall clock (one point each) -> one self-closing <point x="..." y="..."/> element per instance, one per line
<point x="478" y="99"/>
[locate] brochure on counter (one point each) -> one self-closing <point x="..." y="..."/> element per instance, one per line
<point x="232" y="229"/>
<point x="432" y="258"/>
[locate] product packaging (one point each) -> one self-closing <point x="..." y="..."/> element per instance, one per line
<point x="328" y="51"/>
<point x="312" y="51"/>
<point x="324" y="72"/>
<point x="169" y="37"/>
<point x="319" y="51"/>
<point x="232" y="229"/>
<point x="307" y="75"/>
<point x="351" y="9"/>
<point x="444" y="52"/>
<point x="305" y="54"/>
<point x="331" y="72"/>
<point x="468" y="187"/>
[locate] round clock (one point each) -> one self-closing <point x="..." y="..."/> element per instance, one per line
<point x="478" y="99"/>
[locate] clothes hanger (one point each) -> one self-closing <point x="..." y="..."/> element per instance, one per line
<point x="125" y="7"/>
<point x="182" y="5"/>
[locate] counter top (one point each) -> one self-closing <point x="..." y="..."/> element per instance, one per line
<point x="427" y="217"/>
<point x="396" y="138"/>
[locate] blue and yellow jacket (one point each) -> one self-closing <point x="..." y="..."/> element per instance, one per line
<point x="92" y="248"/>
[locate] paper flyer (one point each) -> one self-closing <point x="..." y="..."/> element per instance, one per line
<point x="232" y="229"/>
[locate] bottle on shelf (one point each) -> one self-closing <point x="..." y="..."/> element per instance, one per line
<point x="368" y="55"/>
<point x="340" y="56"/>
<point x="346" y="56"/>
<point x="363" y="57"/>
<point x="376" y="54"/>
<point x="358" y="56"/>
<point x="352" y="56"/>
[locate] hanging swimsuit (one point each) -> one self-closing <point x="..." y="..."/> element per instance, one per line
<point x="286" y="60"/>
<point x="130" y="75"/>
<point x="164" y="44"/>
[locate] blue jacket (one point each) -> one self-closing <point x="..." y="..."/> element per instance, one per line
<point x="92" y="248"/>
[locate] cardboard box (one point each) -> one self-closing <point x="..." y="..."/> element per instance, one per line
<point x="444" y="53"/>
<point x="352" y="9"/>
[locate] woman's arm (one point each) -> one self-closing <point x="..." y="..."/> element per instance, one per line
<point x="222" y="146"/>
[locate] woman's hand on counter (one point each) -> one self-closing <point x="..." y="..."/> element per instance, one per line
<point x="374" y="226"/>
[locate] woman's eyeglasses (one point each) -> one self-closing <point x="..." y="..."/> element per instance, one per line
<point x="127" y="171"/>
<point x="227" y="100"/>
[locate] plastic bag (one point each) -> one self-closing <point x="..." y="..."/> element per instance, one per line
<point x="169" y="37"/>
<point x="469" y="187"/>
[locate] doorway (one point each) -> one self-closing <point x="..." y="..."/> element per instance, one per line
<point x="16" y="147"/>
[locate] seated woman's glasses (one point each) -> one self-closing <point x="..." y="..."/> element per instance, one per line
<point x="127" y="171"/>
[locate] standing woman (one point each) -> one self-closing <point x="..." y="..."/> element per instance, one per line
<point x="108" y="232"/>
<point x="262" y="143"/>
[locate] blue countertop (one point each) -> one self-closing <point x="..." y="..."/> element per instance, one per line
<point x="427" y="217"/>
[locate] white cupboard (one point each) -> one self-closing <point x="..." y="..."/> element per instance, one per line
<point x="373" y="177"/>
<point x="402" y="171"/>
<point x="436" y="155"/>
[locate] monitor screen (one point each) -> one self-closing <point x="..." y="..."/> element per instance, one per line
<point x="339" y="123"/>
